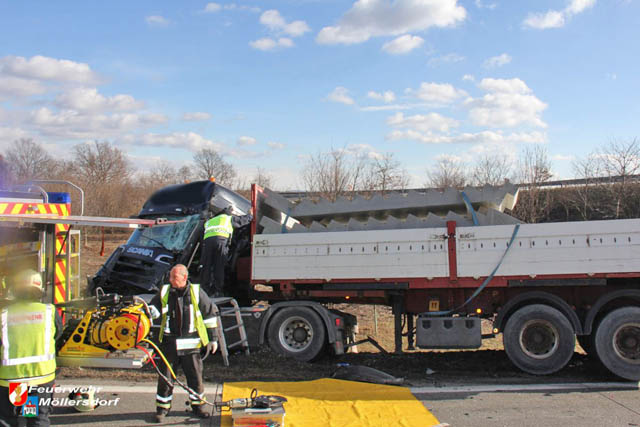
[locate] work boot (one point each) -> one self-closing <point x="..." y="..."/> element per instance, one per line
<point x="160" y="414"/>
<point x="199" y="412"/>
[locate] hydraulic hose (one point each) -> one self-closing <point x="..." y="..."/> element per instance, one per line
<point x="484" y="284"/>
<point x="173" y="374"/>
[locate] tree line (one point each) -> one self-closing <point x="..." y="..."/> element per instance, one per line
<point x="609" y="187"/>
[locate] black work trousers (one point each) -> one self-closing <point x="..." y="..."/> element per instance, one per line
<point x="214" y="259"/>
<point x="192" y="367"/>
<point x="11" y="415"/>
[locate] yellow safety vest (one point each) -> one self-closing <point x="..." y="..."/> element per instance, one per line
<point x="28" y="349"/>
<point x="196" y="322"/>
<point x="218" y="226"/>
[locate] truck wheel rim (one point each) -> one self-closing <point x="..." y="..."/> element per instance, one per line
<point x="539" y="339"/>
<point x="626" y="342"/>
<point x="295" y="334"/>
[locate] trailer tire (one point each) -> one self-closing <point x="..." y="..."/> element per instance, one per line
<point x="297" y="332"/>
<point x="617" y="342"/>
<point x="539" y="339"/>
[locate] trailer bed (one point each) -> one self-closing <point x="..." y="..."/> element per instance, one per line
<point x="581" y="249"/>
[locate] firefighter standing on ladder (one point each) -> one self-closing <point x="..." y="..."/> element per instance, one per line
<point x="217" y="238"/>
<point x="28" y="349"/>
<point x="185" y="311"/>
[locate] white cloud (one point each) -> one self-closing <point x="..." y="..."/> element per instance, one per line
<point x="449" y="58"/>
<point x="88" y="99"/>
<point x="373" y="18"/>
<point x="497" y="61"/>
<point x="10" y="134"/>
<point x="361" y="150"/>
<point x="275" y="22"/>
<point x="483" y="137"/>
<point x="267" y="44"/>
<point x="76" y="125"/>
<point x="468" y="78"/>
<point x="423" y="122"/>
<point x="386" y="96"/>
<point x="482" y="5"/>
<point x="17" y="87"/>
<point x="246" y="140"/>
<point x="189" y="140"/>
<point x="341" y="95"/>
<point x="212" y="8"/>
<point x="437" y="93"/>
<point x="276" y="145"/>
<point x="403" y="44"/>
<point x="578" y="6"/>
<point x="557" y="18"/>
<point x="235" y="6"/>
<point x="563" y="157"/>
<point x="157" y="20"/>
<point x="543" y="21"/>
<point x="508" y="102"/>
<point x="196" y="116"/>
<point x="47" y="69"/>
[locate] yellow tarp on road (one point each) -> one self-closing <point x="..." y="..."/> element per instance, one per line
<point x="338" y="403"/>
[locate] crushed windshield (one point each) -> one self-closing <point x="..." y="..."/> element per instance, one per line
<point x="172" y="237"/>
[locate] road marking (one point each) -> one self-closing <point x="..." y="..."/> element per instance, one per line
<point x="488" y="388"/>
<point x="492" y="388"/>
<point x="143" y="389"/>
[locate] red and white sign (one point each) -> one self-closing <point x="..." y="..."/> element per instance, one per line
<point x="18" y="393"/>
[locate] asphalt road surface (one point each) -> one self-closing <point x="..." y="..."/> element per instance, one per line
<point x="565" y="405"/>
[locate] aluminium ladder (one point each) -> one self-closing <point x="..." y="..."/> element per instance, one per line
<point x="230" y="306"/>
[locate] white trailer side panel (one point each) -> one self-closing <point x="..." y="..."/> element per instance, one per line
<point x="554" y="248"/>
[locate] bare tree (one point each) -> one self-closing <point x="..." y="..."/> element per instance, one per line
<point x="620" y="161"/>
<point x="28" y="160"/>
<point x="263" y="178"/>
<point x="104" y="172"/>
<point x="386" y="173"/>
<point x="584" y="198"/>
<point x="101" y="162"/>
<point x="492" y="170"/>
<point x="447" y="172"/>
<point x="331" y="174"/>
<point x="6" y="177"/>
<point x="210" y="164"/>
<point x="534" y="168"/>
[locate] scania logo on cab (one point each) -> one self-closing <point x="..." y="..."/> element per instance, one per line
<point x="141" y="251"/>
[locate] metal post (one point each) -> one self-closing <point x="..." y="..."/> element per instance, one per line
<point x="410" y="334"/>
<point x="397" y="316"/>
<point x="375" y="320"/>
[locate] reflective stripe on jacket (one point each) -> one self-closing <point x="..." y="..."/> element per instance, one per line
<point x="196" y="322"/>
<point x="28" y="348"/>
<point x="218" y="226"/>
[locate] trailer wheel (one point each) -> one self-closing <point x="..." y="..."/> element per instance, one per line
<point x="297" y="332"/>
<point x="539" y="339"/>
<point x="617" y="342"/>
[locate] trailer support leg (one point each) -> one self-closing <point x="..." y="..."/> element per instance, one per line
<point x="397" y="317"/>
<point x="410" y="334"/>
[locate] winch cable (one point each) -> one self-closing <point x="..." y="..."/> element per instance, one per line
<point x="484" y="284"/>
<point x="173" y="374"/>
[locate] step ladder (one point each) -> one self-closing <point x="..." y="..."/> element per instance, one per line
<point x="228" y="305"/>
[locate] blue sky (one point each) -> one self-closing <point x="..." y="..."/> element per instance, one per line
<point x="268" y="82"/>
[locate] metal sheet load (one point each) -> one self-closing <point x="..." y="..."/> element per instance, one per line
<point x="413" y="209"/>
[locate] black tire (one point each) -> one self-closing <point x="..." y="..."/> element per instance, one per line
<point x="617" y="342"/>
<point x="539" y="339"/>
<point x="297" y="332"/>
